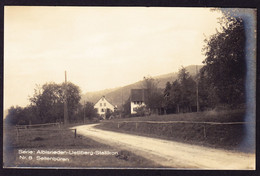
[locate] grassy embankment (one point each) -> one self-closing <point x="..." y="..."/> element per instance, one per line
<point x="33" y="142"/>
<point x="192" y="131"/>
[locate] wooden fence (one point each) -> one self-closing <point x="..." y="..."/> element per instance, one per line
<point x="37" y="125"/>
<point x="20" y="128"/>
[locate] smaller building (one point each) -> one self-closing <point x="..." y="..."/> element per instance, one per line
<point x="103" y="107"/>
<point x="137" y="99"/>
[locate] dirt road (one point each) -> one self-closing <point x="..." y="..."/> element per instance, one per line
<point x="169" y="153"/>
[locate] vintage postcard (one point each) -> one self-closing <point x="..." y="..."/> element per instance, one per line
<point x="129" y="87"/>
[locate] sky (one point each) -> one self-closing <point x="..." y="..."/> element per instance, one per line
<point x="99" y="47"/>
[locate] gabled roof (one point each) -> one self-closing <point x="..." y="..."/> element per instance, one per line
<point x="105" y="99"/>
<point x="138" y="95"/>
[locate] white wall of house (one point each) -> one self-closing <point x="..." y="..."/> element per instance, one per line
<point x="102" y="105"/>
<point x="136" y="104"/>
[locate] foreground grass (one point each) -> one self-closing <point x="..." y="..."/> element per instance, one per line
<point x="49" y="148"/>
<point x="217" y="136"/>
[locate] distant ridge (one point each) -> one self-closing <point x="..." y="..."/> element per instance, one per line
<point x="118" y="96"/>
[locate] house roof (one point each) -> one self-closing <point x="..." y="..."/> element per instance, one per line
<point x="139" y="94"/>
<point x="105" y="99"/>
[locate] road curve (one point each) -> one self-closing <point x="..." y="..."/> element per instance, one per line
<point x="171" y="154"/>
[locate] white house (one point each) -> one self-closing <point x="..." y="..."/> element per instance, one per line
<point x="103" y="106"/>
<point x="137" y="99"/>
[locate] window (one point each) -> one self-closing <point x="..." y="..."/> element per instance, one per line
<point x="100" y="104"/>
<point x="104" y="104"/>
<point x="102" y="110"/>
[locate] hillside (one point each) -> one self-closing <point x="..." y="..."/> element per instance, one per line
<point x="118" y="96"/>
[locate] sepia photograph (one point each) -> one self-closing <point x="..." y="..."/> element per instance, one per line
<point x="129" y="88"/>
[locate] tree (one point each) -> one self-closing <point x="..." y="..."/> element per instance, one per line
<point x="21" y="116"/>
<point x="73" y="97"/>
<point x="167" y="90"/>
<point x="176" y="95"/>
<point x="13" y="115"/>
<point x="187" y="87"/>
<point x="181" y="94"/>
<point x="140" y="111"/>
<point x="167" y="103"/>
<point x="49" y="100"/>
<point x="208" y="98"/>
<point x="225" y="63"/>
<point x="127" y="108"/>
<point x="154" y="98"/>
<point x="109" y="113"/>
<point x="90" y="111"/>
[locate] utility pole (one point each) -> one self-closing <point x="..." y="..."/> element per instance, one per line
<point x="197" y="89"/>
<point x="122" y="103"/>
<point x="122" y="97"/>
<point x="84" y="111"/>
<point x="65" y="101"/>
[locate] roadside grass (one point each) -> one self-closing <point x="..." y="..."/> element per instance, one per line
<point x="211" y="135"/>
<point x="92" y="153"/>
<point x="206" y="116"/>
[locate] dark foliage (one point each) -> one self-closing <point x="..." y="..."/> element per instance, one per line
<point x="90" y="111"/>
<point x="180" y="96"/>
<point x="154" y="94"/>
<point x="127" y="108"/>
<point x="223" y="76"/>
<point x="46" y="105"/>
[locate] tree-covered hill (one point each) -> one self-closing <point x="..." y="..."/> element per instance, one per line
<point x="118" y="96"/>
